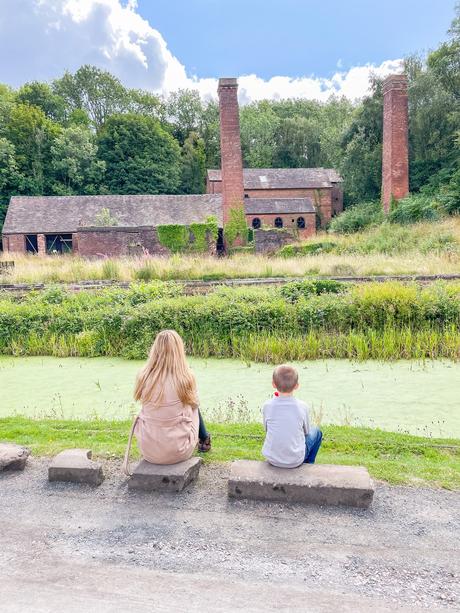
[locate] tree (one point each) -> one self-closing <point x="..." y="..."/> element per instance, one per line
<point x="210" y="133"/>
<point x="10" y="178"/>
<point x="297" y="143"/>
<point x="32" y="135"/>
<point x="140" y="156"/>
<point x="445" y="61"/>
<point x="74" y="161"/>
<point x="184" y="112"/>
<point x="41" y="95"/>
<point x="259" y="125"/>
<point x="95" y="91"/>
<point x="193" y="165"/>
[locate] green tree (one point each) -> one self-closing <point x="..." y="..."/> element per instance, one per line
<point x="32" y="135"/>
<point x="140" y="156"/>
<point x="210" y="133"/>
<point x="259" y="125"/>
<point x="184" y="112"/>
<point x="41" y="95"/>
<point x="193" y="165"/>
<point x="11" y="179"/>
<point x="74" y="161"/>
<point x="297" y="143"/>
<point x="95" y="91"/>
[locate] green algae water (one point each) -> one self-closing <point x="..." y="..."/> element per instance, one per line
<point x="420" y="398"/>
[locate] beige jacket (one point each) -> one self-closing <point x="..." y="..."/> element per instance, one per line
<point x="166" y="433"/>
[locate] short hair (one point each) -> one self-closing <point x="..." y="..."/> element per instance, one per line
<point x="285" y="378"/>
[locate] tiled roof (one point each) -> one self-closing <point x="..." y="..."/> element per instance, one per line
<point x="270" y="206"/>
<point x="64" y="214"/>
<point x="284" y="178"/>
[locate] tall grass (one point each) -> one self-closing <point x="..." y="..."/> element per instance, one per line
<point x="383" y="321"/>
<point x="387" y="249"/>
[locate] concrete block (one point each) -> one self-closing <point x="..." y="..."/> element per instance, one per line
<point x="75" y="465"/>
<point x="13" y="457"/>
<point x="322" y="484"/>
<point x="164" y="477"/>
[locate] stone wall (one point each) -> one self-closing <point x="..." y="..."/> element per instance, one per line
<point x="269" y="241"/>
<point x="395" y="156"/>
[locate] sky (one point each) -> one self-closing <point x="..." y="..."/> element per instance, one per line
<point x="277" y="48"/>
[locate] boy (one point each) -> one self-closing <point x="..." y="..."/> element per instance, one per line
<point x="290" y="439"/>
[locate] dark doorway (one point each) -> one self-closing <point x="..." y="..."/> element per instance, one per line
<point x="58" y="243"/>
<point x="31" y="243"/>
<point x="220" y="246"/>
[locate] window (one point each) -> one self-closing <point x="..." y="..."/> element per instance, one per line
<point x="31" y="243"/>
<point x="256" y="223"/>
<point x="301" y="222"/>
<point x="278" y="222"/>
<point x="58" y="243"/>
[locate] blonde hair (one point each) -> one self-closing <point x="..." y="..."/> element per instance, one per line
<point x="285" y="378"/>
<point x="166" y="360"/>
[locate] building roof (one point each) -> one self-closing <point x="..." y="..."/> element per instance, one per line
<point x="284" y="178"/>
<point x="271" y="206"/>
<point x="64" y="214"/>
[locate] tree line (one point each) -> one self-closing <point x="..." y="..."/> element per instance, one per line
<point x="86" y="133"/>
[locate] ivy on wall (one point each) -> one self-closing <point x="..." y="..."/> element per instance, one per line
<point x="196" y="237"/>
<point x="236" y="227"/>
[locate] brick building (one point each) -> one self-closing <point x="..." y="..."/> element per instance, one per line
<point x="300" y="198"/>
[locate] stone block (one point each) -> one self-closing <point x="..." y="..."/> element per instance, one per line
<point x="164" y="477"/>
<point x="13" y="457"/>
<point x="75" y="465"/>
<point x="322" y="484"/>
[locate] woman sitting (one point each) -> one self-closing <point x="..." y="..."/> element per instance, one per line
<point x="169" y="426"/>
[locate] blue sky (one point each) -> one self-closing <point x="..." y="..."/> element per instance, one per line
<point x="277" y="48"/>
<point x="294" y="37"/>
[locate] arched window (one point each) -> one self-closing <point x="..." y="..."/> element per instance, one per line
<point x="301" y="222"/>
<point x="278" y="222"/>
<point x="256" y="223"/>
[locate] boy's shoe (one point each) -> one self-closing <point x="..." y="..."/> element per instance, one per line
<point x="205" y="445"/>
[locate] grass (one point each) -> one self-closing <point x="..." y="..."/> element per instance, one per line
<point x="386" y="250"/>
<point x="393" y="457"/>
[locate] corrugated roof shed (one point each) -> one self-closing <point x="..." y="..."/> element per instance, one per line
<point x="64" y="214"/>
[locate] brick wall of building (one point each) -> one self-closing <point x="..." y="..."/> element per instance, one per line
<point x="116" y="242"/>
<point x="395" y="155"/>
<point x="289" y="222"/>
<point x="321" y="198"/>
<point x="230" y="147"/>
<point x="270" y="241"/>
<point x="14" y="243"/>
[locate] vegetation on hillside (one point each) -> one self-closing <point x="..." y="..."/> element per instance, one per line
<point x="86" y="133"/>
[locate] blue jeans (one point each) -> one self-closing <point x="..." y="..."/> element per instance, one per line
<point x="312" y="444"/>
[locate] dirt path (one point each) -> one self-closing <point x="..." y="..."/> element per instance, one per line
<point x="69" y="548"/>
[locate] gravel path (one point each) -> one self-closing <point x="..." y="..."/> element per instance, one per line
<point x="64" y="546"/>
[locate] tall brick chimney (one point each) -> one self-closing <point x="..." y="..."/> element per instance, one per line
<point x="230" y="147"/>
<point x="395" y="158"/>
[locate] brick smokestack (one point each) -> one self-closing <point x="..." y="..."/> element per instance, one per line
<point x="395" y="159"/>
<point x="230" y="147"/>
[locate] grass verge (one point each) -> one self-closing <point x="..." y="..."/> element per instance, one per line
<point x="396" y="458"/>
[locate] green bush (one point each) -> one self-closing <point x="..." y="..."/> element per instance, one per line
<point x="174" y="237"/>
<point x="297" y="289"/>
<point x="358" y="217"/>
<point x="324" y="319"/>
<point x="299" y="249"/>
<point x="414" y="208"/>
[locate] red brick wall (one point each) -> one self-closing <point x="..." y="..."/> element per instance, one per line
<point x="289" y="221"/>
<point x="395" y="155"/>
<point x="115" y="242"/>
<point x="321" y="198"/>
<point x="230" y="146"/>
<point x="14" y="243"/>
<point x="337" y="199"/>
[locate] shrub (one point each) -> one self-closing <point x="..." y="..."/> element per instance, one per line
<point x="358" y="217"/>
<point x="296" y="249"/>
<point x="297" y="289"/>
<point x="174" y="237"/>
<point x="414" y="208"/>
<point x="236" y="227"/>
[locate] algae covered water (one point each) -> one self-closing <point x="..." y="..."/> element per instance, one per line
<point x="420" y="398"/>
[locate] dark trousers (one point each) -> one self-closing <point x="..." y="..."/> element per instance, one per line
<point x="312" y="445"/>
<point x="202" y="432"/>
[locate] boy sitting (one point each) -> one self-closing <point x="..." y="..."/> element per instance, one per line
<point x="290" y="439"/>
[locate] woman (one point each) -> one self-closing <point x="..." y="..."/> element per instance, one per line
<point x="169" y="425"/>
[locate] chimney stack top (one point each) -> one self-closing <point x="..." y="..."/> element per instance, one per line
<point x="228" y="82"/>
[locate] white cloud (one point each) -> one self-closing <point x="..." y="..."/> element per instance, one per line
<point x="39" y="39"/>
